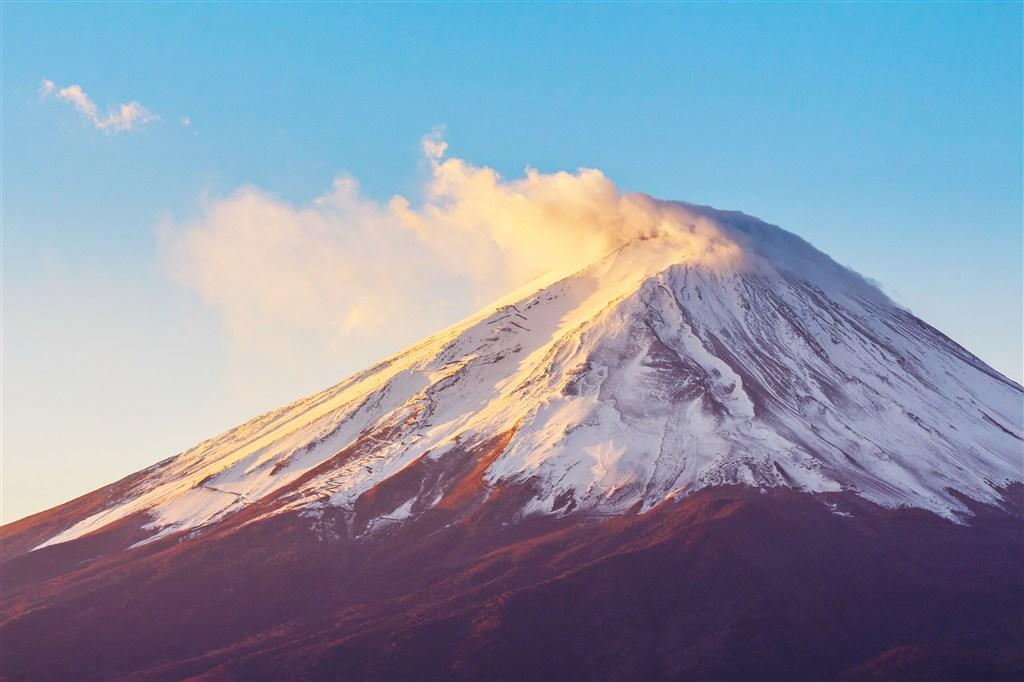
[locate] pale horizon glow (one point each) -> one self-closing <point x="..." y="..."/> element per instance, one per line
<point x="266" y="224"/>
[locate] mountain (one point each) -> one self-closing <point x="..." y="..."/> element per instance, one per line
<point x="711" y="453"/>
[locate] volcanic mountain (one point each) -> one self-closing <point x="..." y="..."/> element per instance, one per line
<point x="711" y="453"/>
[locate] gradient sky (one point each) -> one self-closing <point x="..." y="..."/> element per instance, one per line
<point x="889" y="136"/>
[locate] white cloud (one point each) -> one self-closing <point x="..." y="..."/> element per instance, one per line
<point x="123" y="118"/>
<point x="126" y="118"/>
<point x="433" y="145"/>
<point x="74" y="95"/>
<point x="186" y="121"/>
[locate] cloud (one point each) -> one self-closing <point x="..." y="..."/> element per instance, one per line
<point x="123" y="118"/>
<point x="346" y="272"/>
<point x="126" y="118"/>
<point x="74" y="95"/>
<point x="186" y="121"/>
<point x="433" y="145"/>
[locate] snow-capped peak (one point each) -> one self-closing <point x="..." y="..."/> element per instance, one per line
<point x="710" y="349"/>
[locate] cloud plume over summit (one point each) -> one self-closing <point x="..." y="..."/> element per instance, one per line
<point x="348" y="270"/>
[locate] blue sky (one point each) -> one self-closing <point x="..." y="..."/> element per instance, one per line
<point x="888" y="135"/>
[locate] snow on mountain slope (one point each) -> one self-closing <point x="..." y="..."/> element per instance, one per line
<point x="717" y="349"/>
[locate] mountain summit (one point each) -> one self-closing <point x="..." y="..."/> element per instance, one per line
<point x="712" y="374"/>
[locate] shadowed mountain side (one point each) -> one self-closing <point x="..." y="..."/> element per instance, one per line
<point x="729" y="583"/>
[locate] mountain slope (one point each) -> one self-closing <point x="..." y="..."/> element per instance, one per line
<point x="727" y="583"/>
<point x="714" y="414"/>
<point x="741" y="355"/>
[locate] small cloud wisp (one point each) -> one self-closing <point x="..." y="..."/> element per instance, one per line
<point x="124" y="118"/>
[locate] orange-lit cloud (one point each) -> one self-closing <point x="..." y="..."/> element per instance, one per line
<point x="123" y="118"/>
<point x="347" y="270"/>
<point x="338" y="268"/>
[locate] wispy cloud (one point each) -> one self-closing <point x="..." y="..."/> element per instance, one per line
<point x="123" y="118"/>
